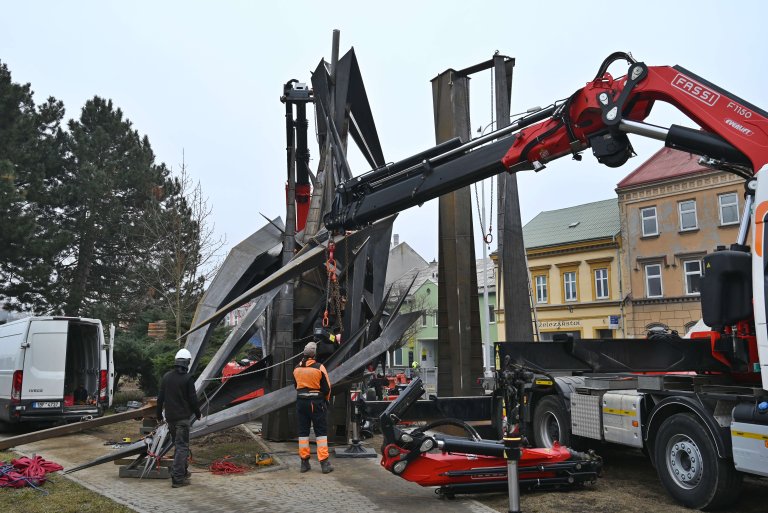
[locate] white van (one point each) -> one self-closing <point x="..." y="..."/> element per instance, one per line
<point x="54" y="369"/>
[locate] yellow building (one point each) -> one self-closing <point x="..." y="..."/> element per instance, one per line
<point x="574" y="262"/>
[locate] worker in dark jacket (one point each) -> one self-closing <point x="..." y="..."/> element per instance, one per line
<point x="178" y="397"/>
<point x="313" y="394"/>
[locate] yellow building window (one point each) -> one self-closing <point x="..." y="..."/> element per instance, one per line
<point x="600" y="270"/>
<point x="540" y="286"/>
<point x="569" y="285"/>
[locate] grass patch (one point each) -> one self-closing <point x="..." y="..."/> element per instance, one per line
<point x="64" y="496"/>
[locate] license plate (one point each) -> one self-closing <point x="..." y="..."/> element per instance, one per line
<point x="46" y="404"/>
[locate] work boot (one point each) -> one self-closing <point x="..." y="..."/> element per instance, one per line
<point x="179" y="484"/>
<point x="304" y="466"/>
<point x="326" y="466"/>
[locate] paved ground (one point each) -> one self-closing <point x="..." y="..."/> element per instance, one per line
<point x="356" y="485"/>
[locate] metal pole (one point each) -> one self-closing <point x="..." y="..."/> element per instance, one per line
<point x="514" y="487"/>
<point x="334" y="55"/>
<point x="487" y="323"/>
<point x="513" y="452"/>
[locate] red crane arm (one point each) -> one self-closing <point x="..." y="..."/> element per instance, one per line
<point x="733" y="131"/>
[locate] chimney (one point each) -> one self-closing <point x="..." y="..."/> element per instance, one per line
<point x="396" y="240"/>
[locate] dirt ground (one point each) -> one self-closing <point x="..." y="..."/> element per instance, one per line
<point x="234" y="444"/>
<point x="629" y="485"/>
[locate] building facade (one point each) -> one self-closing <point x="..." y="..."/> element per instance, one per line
<point x="420" y="340"/>
<point x="673" y="212"/>
<point x="575" y="272"/>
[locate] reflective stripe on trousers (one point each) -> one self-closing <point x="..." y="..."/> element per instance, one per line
<point x="322" y="448"/>
<point x="304" y="447"/>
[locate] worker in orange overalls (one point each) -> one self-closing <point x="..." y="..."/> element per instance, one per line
<point x="313" y="394"/>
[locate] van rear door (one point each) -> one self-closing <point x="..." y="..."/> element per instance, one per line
<point x="44" y="358"/>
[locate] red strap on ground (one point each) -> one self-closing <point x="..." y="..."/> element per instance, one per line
<point x="223" y="467"/>
<point x="26" y="471"/>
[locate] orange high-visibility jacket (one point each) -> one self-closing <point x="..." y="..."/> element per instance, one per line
<point x="311" y="377"/>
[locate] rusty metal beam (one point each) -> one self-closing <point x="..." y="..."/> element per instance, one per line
<point x="68" y="429"/>
<point x="513" y="276"/>
<point x="460" y="359"/>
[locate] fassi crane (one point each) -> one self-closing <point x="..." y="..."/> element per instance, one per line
<point x="733" y="138"/>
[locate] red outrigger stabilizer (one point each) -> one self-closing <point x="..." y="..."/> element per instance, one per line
<point x="471" y="464"/>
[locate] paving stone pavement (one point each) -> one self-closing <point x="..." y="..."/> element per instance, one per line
<point x="356" y="485"/>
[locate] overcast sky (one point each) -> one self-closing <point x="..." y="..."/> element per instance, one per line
<point x="205" y="78"/>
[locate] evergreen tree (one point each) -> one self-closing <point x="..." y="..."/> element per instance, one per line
<point x="112" y="180"/>
<point x="32" y="146"/>
<point x="90" y="225"/>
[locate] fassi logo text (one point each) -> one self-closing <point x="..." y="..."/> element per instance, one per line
<point x="698" y="91"/>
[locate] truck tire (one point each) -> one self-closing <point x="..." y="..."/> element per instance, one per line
<point x="688" y="465"/>
<point x="551" y="423"/>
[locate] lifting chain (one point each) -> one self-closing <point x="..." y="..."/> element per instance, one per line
<point x="333" y="297"/>
<point x="487" y="236"/>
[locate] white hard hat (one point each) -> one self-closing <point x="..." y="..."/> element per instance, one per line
<point x="183" y="354"/>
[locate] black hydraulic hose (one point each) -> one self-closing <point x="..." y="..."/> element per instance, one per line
<point x="472" y="432"/>
<point x="615" y="56"/>
<point x="482" y="447"/>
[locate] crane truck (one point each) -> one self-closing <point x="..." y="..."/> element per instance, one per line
<point x="697" y="406"/>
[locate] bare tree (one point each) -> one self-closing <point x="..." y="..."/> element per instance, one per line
<point x="185" y="249"/>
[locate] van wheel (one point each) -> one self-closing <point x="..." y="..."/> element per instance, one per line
<point x="688" y="465"/>
<point x="551" y="423"/>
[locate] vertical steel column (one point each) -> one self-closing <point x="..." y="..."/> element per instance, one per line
<point x="279" y="425"/>
<point x="460" y="359"/>
<point x="513" y="272"/>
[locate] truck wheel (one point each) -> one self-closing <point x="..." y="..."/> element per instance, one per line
<point x="688" y="465"/>
<point x="551" y="423"/>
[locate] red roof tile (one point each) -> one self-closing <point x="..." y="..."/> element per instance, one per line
<point x="663" y="165"/>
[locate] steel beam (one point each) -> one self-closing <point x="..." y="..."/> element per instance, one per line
<point x="255" y="408"/>
<point x="236" y="339"/>
<point x="513" y="275"/>
<point x="248" y="261"/>
<point x="76" y="427"/>
<point x="460" y="359"/>
<point x="276" y="425"/>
